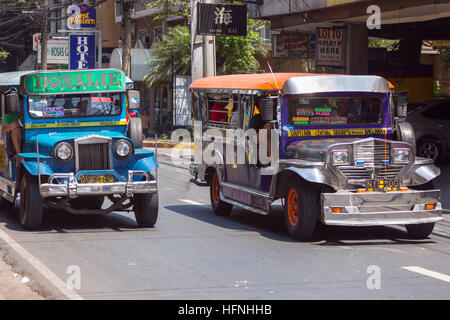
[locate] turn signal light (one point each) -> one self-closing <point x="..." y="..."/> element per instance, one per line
<point x="403" y="189"/>
<point x="336" y="210"/>
<point x="430" y="206"/>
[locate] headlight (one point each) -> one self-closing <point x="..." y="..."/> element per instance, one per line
<point x="122" y="148"/>
<point x="63" y="151"/>
<point x="340" y="157"/>
<point x="401" y="155"/>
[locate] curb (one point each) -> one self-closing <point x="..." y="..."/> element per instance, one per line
<point x="165" y="144"/>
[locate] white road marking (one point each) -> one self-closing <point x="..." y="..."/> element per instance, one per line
<point x="195" y="203"/>
<point x="429" y="273"/>
<point x="46" y="272"/>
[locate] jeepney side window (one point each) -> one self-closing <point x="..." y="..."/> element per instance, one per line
<point x="224" y="111"/>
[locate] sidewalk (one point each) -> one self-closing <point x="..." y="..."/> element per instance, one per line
<point x="165" y="143"/>
<point x="14" y="286"/>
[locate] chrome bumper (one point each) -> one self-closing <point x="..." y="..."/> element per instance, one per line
<point x="380" y="208"/>
<point x="72" y="188"/>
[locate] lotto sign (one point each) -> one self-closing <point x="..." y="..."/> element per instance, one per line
<point x="81" y="17"/>
<point x="330" y="47"/>
<point x="82" y="51"/>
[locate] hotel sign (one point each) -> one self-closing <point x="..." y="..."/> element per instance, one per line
<point x="81" y="17"/>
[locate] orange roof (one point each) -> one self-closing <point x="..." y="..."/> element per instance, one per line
<point x="259" y="81"/>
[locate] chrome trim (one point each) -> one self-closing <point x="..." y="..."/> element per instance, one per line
<point x="91" y="139"/>
<point x="380" y="208"/>
<point x="334" y="83"/>
<point x="74" y="189"/>
<point x="243" y="206"/>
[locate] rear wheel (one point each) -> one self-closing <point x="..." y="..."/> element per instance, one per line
<point x="301" y="209"/>
<point x="219" y="207"/>
<point x="31" y="203"/>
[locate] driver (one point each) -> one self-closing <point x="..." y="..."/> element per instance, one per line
<point x="13" y="128"/>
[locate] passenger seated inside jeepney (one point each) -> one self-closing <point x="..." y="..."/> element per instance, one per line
<point x="218" y="113"/>
<point x="263" y="121"/>
<point x="13" y="129"/>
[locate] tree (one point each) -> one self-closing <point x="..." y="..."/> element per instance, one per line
<point x="170" y="56"/>
<point x="233" y="55"/>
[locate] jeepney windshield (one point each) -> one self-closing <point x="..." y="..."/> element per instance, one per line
<point x="75" y="105"/>
<point x="336" y="111"/>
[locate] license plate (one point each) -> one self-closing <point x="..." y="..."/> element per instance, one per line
<point x="97" y="178"/>
<point x="382" y="185"/>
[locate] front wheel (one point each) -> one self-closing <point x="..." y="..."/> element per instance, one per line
<point x="420" y="231"/>
<point x="145" y="208"/>
<point x="301" y="209"/>
<point x="31" y="203"/>
<point x="219" y="207"/>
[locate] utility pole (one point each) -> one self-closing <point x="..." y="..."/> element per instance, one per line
<point x="100" y="40"/>
<point x="203" y="48"/>
<point x="44" y="38"/>
<point x="127" y="26"/>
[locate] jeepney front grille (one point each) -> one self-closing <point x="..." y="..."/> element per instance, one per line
<point x="354" y="174"/>
<point x="373" y="154"/>
<point x="95" y="156"/>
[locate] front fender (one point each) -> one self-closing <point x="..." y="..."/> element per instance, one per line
<point x="30" y="163"/>
<point x="313" y="174"/>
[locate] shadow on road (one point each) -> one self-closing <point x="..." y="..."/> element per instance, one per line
<point x="272" y="226"/>
<point x="62" y="221"/>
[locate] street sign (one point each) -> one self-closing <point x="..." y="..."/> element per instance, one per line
<point x="295" y="45"/>
<point x="330" y="47"/>
<point x="82" y="51"/>
<point x="57" y="51"/>
<point x="36" y="39"/>
<point x="222" y="19"/>
<point x="81" y="17"/>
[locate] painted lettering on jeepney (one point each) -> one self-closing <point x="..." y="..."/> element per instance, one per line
<point x="336" y="132"/>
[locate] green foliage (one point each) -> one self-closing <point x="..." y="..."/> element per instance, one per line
<point x="3" y="55"/>
<point x="390" y="45"/>
<point x="172" y="54"/>
<point x="181" y="8"/>
<point x="445" y="57"/>
<point x="238" y="54"/>
<point x="233" y="54"/>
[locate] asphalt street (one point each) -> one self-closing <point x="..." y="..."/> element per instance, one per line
<point x="193" y="254"/>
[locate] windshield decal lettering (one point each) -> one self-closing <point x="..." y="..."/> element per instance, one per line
<point x="336" y="132"/>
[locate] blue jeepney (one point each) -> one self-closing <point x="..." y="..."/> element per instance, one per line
<point x="79" y="146"/>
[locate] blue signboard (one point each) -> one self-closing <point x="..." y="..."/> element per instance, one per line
<point x="81" y="17"/>
<point x="82" y="51"/>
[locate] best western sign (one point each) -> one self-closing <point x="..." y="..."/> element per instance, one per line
<point x="64" y="82"/>
<point x="81" y="17"/>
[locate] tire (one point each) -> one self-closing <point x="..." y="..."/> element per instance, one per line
<point x="302" y="209"/>
<point x="94" y="202"/>
<point x="145" y="208"/>
<point x="219" y="207"/>
<point x="31" y="203"/>
<point x="135" y="132"/>
<point x="6" y="205"/>
<point x="429" y="149"/>
<point x="419" y="231"/>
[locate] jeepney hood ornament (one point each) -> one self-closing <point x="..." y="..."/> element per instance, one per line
<point x="314" y="149"/>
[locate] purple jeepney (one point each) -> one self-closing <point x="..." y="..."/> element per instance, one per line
<point x="339" y="151"/>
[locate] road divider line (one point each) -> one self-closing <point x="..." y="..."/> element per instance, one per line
<point x="46" y="272"/>
<point x="195" y="203"/>
<point x="429" y="273"/>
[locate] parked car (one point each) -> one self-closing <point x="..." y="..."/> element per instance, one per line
<point x="431" y="122"/>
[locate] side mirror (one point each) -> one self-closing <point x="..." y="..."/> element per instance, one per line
<point x="12" y="103"/>
<point x="402" y="104"/>
<point x="133" y="99"/>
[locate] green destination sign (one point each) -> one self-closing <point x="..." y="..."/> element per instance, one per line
<point x="80" y="81"/>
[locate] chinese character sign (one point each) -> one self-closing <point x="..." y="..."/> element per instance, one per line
<point x="82" y="51"/>
<point x="330" y="47"/>
<point x="221" y="19"/>
<point x="81" y="17"/>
